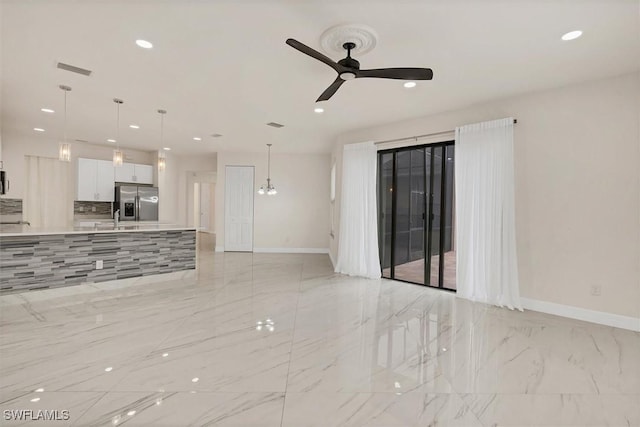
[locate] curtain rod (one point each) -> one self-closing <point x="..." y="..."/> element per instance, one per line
<point x="409" y="138"/>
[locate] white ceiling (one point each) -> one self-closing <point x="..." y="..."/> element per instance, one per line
<point x="223" y="66"/>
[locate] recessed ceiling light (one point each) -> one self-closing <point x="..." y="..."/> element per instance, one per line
<point x="47" y="110"/>
<point x="38" y="129"/>
<point x="111" y="140"/>
<point x="318" y="110"/>
<point x="144" y="44"/>
<point x="134" y="126"/>
<point x="197" y="138"/>
<point x="572" y="35"/>
<point x="409" y="85"/>
<point x="167" y="149"/>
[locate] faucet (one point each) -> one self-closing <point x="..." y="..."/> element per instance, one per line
<point x="116" y="218"/>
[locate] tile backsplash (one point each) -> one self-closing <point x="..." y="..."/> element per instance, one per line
<point x="92" y="209"/>
<point x="10" y="206"/>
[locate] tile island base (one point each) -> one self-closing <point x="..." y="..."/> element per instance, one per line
<point x="41" y="261"/>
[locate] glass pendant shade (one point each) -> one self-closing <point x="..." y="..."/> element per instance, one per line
<point x="162" y="161"/>
<point x="118" y="158"/>
<point x="64" y="152"/>
<point x="64" y="148"/>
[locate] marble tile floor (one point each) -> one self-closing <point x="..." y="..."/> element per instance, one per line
<point x="413" y="271"/>
<point x="280" y="340"/>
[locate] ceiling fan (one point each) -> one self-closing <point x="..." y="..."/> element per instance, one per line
<point x="349" y="69"/>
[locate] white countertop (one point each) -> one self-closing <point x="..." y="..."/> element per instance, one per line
<point x="107" y="227"/>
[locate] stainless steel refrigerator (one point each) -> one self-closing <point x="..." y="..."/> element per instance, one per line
<point x="137" y="203"/>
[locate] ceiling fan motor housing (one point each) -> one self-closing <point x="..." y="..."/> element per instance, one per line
<point x="350" y="63"/>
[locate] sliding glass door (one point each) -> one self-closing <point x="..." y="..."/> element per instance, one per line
<point x="416" y="207"/>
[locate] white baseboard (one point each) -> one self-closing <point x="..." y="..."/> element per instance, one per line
<point x="600" y="317"/>
<point x="291" y="250"/>
<point x="285" y="250"/>
<point x="333" y="261"/>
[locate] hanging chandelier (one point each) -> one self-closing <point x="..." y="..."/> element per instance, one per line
<point x="162" y="161"/>
<point x="64" y="151"/>
<point x="118" y="156"/>
<point x="269" y="189"/>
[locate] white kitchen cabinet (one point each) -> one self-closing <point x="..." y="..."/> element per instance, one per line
<point x="95" y="180"/>
<point x="105" y="182"/>
<point x="125" y="172"/>
<point x="134" y="173"/>
<point x="144" y="174"/>
<point x="86" y="179"/>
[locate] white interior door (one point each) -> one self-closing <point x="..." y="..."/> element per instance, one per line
<point x="205" y="204"/>
<point x="238" y="208"/>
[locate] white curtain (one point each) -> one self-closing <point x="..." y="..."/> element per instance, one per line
<point x="487" y="269"/>
<point x="46" y="195"/>
<point x="358" y="243"/>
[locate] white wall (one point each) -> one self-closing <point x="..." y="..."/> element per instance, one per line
<point x="16" y="146"/>
<point x="577" y="165"/>
<point x="168" y="209"/>
<point x="192" y="178"/>
<point x="297" y="216"/>
<point x="175" y="185"/>
<point x="193" y="201"/>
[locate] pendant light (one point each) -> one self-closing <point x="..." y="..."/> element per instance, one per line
<point x="269" y="189"/>
<point x="64" y="150"/>
<point x="162" y="162"/>
<point x="118" y="156"/>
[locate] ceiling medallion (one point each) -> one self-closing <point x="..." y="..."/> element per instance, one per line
<point x="333" y="39"/>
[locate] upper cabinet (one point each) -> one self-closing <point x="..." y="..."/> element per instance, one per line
<point x="135" y="173"/>
<point x="95" y="180"/>
<point x="143" y="174"/>
<point x="125" y="172"/>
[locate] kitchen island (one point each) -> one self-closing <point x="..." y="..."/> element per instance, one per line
<point x="33" y="259"/>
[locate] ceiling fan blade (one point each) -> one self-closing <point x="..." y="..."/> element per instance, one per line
<point x="328" y="93"/>
<point x="397" y="73"/>
<point x="315" y="54"/>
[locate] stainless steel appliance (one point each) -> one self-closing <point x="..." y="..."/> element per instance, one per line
<point x="137" y="203"/>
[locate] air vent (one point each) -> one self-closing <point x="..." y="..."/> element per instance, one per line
<point x="275" y="125"/>
<point x="74" y="69"/>
<point x="216" y="135"/>
<point x="81" y="140"/>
